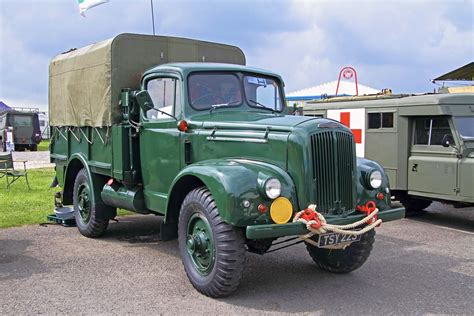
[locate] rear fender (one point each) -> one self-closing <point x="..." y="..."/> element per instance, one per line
<point x="76" y="162"/>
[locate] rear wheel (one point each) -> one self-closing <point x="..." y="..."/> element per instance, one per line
<point x="85" y="210"/>
<point x="33" y="147"/>
<point x="212" y="251"/>
<point x="19" y="147"/>
<point x="343" y="260"/>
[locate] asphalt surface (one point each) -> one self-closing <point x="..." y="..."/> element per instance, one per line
<point x="420" y="265"/>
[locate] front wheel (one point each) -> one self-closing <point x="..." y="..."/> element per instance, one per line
<point x="212" y="251"/>
<point x="414" y="205"/>
<point x="343" y="260"/>
<point x="85" y="210"/>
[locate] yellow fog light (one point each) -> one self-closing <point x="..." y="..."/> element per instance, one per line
<point x="281" y="210"/>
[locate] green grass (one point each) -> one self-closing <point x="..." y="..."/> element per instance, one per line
<point x="43" y="145"/>
<point x="20" y="206"/>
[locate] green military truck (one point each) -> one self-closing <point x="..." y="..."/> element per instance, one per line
<point x="424" y="142"/>
<point x="24" y="127"/>
<point x="183" y="129"/>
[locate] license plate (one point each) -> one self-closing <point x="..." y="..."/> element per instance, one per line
<point x="330" y="239"/>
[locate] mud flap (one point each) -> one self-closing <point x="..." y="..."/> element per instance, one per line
<point x="168" y="231"/>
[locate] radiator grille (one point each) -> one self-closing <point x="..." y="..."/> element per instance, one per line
<point x="333" y="168"/>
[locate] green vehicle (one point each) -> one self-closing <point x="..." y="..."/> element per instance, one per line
<point x="24" y="127"/>
<point x="424" y="142"/>
<point x="204" y="141"/>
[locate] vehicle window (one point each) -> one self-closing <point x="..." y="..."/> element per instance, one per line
<point x="465" y="126"/>
<point x="430" y="131"/>
<point x="374" y="120"/>
<point x="2" y="122"/>
<point x="42" y="123"/>
<point x="165" y="93"/>
<point x="262" y="92"/>
<point x="380" y="120"/>
<point x="208" y="89"/>
<point x="21" y="120"/>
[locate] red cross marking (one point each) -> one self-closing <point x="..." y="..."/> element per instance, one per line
<point x="346" y="120"/>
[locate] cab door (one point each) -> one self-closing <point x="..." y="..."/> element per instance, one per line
<point x="432" y="168"/>
<point x="160" y="149"/>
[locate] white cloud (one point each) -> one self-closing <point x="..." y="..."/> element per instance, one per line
<point x="398" y="44"/>
<point x="392" y="44"/>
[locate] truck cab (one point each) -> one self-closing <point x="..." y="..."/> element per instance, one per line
<point x="424" y="142"/>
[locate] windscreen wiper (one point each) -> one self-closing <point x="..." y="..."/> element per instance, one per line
<point x="263" y="106"/>
<point x="167" y="114"/>
<point x="221" y="105"/>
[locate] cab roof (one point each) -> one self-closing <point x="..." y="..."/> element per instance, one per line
<point x="186" y="68"/>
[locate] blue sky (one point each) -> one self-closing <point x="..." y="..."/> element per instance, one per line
<point x="392" y="44"/>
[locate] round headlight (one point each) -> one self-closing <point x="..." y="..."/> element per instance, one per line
<point x="272" y="188"/>
<point x="375" y="179"/>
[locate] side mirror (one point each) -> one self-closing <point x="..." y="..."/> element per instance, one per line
<point x="447" y="141"/>
<point x="144" y="100"/>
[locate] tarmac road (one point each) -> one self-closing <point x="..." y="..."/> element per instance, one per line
<point x="424" y="264"/>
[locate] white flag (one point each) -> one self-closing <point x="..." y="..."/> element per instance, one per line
<point x="85" y="5"/>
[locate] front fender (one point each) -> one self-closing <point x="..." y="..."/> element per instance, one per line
<point x="234" y="181"/>
<point x="364" y="193"/>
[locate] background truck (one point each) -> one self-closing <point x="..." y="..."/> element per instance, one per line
<point x="207" y="146"/>
<point x="25" y="128"/>
<point x="424" y="142"/>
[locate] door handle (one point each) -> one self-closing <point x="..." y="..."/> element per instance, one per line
<point x="414" y="168"/>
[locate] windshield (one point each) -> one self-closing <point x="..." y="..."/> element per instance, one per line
<point x="21" y="120"/>
<point x="262" y="92"/>
<point x="465" y="126"/>
<point x="213" y="90"/>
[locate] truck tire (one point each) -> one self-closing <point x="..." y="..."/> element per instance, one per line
<point x="19" y="147"/>
<point x="34" y="147"/>
<point x="413" y="205"/>
<point x="85" y="211"/>
<point x="343" y="260"/>
<point x="212" y="251"/>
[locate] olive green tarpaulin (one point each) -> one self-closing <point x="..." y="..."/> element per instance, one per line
<point x="85" y="84"/>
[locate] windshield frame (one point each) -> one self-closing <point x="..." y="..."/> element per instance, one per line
<point x="240" y="75"/>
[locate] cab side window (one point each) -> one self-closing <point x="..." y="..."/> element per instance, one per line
<point x="430" y="131"/>
<point x="165" y="93"/>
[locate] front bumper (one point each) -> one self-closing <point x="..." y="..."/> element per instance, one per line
<point x="298" y="228"/>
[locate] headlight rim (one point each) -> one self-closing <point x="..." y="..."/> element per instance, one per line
<point x="369" y="179"/>
<point x="265" y="190"/>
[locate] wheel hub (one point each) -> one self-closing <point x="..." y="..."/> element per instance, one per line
<point x="199" y="244"/>
<point x="84" y="206"/>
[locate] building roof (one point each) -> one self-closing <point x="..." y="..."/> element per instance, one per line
<point x="464" y="73"/>
<point x="4" y="107"/>
<point x="329" y="88"/>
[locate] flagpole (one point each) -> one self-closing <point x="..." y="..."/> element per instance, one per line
<point x="152" y="17"/>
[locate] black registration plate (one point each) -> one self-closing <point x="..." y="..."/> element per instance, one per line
<point x="330" y="239"/>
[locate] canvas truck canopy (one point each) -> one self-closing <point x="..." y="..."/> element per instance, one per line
<point x="85" y="84"/>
